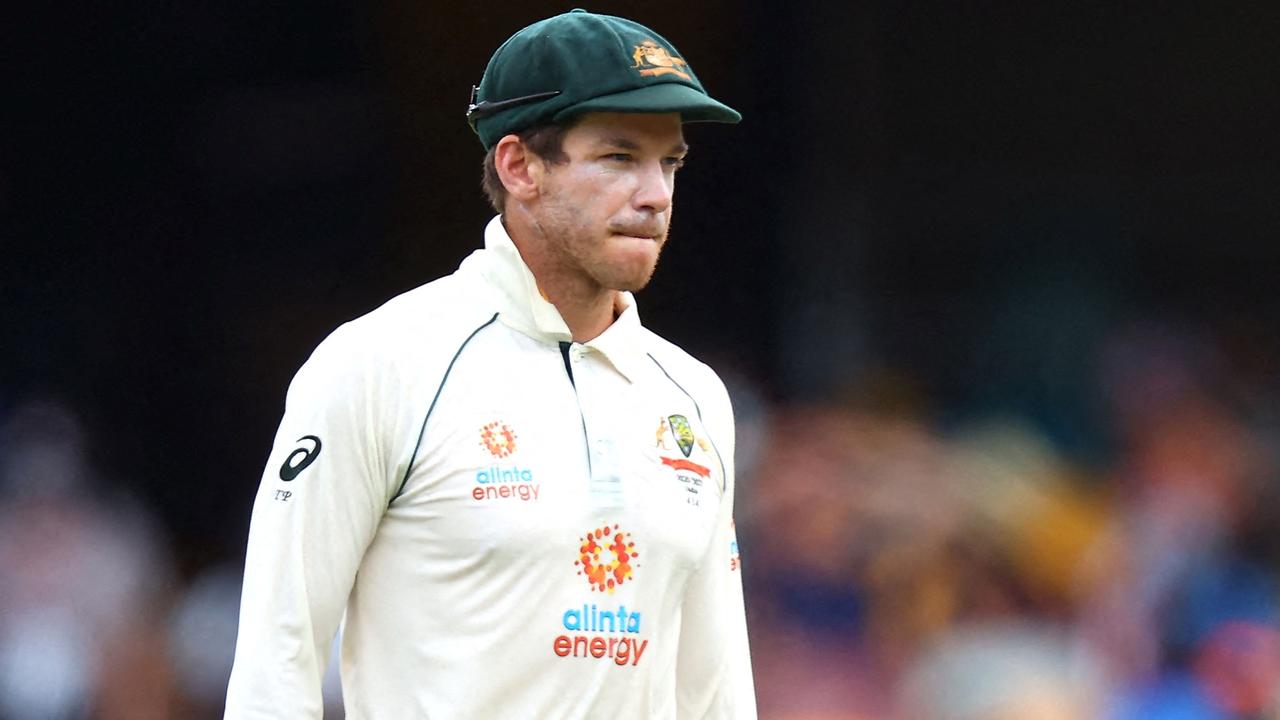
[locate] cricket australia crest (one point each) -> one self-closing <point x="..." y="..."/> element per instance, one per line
<point x="683" y="433"/>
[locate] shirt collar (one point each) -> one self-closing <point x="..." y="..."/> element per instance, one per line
<point x="523" y="307"/>
<point x="621" y="343"/>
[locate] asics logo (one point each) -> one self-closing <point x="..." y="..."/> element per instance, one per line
<point x="300" y="458"/>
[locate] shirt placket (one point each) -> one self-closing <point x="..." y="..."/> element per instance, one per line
<point x="596" y="403"/>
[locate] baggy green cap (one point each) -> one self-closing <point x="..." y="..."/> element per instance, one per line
<point x="583" y="62"/>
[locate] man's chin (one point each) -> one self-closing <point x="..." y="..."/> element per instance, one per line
<point x="631" y="281"/>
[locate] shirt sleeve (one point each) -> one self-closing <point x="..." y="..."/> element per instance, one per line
<point x="713" y="665"/>
<point x="322" y="495"/>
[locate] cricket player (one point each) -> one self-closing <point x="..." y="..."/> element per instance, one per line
<point x="515" y="498"/>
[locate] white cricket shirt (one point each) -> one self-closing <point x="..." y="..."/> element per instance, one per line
<point x="515" y="525"/>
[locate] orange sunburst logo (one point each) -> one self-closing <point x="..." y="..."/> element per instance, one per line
<point x="605" y="557"/>
<point x="498" y="438"/>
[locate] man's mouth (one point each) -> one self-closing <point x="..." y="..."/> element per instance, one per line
<point x="638" y="234"/>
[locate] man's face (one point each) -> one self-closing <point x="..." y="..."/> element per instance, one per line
<point x="606" y="211"/>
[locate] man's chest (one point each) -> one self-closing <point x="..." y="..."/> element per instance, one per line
<point x="522" y="454"/>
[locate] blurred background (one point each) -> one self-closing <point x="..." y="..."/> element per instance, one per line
<point x="993" y="286"/>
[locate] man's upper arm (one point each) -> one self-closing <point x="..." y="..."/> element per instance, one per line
<point x="714" y="678"/>
<point x="322" y="495"/>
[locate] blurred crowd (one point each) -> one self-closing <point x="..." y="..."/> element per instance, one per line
<point x="974" y="572"/>
<point x="897" y="566"/>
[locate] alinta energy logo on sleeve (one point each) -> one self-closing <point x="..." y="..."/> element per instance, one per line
<point x="502" y="481"/>
<point x="735" y="559"/>
<point x="607" y="558"/>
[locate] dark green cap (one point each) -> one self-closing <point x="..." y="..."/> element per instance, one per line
<point x="583" y="62"/>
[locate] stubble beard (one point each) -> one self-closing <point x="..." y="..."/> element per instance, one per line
<point x="583" y="252"/>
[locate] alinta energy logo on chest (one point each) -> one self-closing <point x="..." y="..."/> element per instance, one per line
<point x="502" y="481"/>
<point x="606" y="557"/>
<point x="498" y="438"/>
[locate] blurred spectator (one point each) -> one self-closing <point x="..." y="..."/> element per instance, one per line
<point x="83" y="576"/>
<point x="843" y="502"/>
<point x="1003" y="671"/>
<point x="202" y="638"/>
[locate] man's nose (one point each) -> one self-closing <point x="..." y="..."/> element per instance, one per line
<point x="654" y="189"/>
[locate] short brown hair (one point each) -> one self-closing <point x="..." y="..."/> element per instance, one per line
<point x="545" y="141"/>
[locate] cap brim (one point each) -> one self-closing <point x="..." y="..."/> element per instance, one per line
<point x="693" y="106"/>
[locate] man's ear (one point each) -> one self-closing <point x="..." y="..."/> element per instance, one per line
<point x="520" y="170"/>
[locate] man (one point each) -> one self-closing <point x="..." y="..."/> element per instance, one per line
<point x="471" y="472"/>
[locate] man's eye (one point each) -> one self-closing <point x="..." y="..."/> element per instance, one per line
<point x="618" y="157"/>
<point x="675" y="163"/>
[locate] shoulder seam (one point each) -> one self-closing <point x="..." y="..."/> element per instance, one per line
<point x="423" y="428"/>
<point x="719" y="458"/>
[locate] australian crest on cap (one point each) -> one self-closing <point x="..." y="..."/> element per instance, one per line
<point x="652" y="59"/>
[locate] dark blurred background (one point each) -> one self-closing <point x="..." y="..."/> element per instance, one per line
<point x="1038" y="234"/>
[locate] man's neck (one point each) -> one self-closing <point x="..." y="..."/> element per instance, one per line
<point x="586" y="307"/>
<point x="587" y="314"/>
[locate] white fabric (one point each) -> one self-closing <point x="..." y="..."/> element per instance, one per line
<point x="456" y="555"/>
